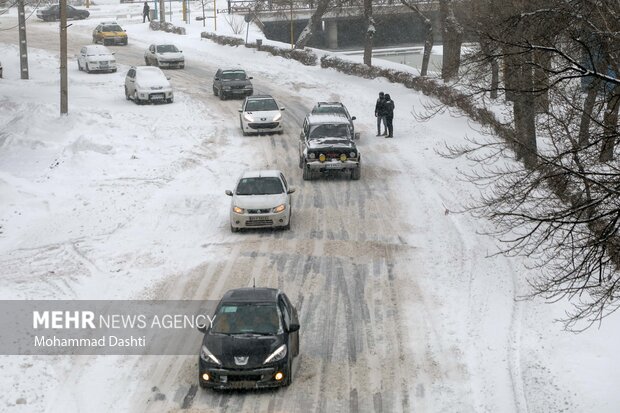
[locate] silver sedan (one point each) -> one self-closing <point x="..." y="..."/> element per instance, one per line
<point x="261" y="199"/>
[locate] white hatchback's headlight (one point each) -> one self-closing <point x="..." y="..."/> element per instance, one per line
<point x="207" y="356"/>
<point x="248" y="117"/>
<point x="279" y="208"/>
<point x="277" y="117"/>
<point x="277" y="355"/>
<point x="238" y="210"/>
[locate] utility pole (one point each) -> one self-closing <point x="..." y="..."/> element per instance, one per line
<point x="23" y="49"/>
<point x="64" y="101"/>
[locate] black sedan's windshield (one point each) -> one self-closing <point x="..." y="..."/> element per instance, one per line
<point x="260" y="186"/>
<point x="247" y="319"/>
<point x="234" y="75"/>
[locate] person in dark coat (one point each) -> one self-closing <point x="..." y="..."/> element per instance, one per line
<point x="389" y="115"/>
<point x="145" y="12"/>
<point x="380" y="114"/>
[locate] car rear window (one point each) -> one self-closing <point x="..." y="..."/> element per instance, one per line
<point x="112" y="28"/>
<point x="260" y="186"/>
<point x="329" y="109"/>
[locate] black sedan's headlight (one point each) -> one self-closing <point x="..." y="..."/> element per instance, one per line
<point x="277" y="355"/>
<point x="208" y="357"/>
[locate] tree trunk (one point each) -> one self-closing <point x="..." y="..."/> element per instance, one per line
<point x="452" y="33"/>
<point x="610" y="125"/>
<point x="541" y="80"/>
<point x="312" y="27"/>
<point x="370" y="32"/>
<point x="525" y="111"/>
<point x="586" y="114"/>
<point x="488" y="51"/>
<point x="428" y="40"/>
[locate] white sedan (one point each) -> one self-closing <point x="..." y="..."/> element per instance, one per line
<point x="95" y="57"/>
<point x="260" y="114"/>
<point x="164" y="55"/>
<point x="145" y="84"/>
<point x="261" y="199"/>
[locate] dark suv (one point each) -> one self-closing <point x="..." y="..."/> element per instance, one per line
<point x="336" y="108"/>
<point x="326" y="144"/>
<point x="251" y="341"/>
<point x="233" y="82"/>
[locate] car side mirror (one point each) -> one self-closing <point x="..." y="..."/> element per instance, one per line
<point x="282" y="108"/>
<point x="168" y="77"/>
<point x="291" y="190"/>
<point x="353" y="118"/>
<point x="202" y="328"/>
<point x="217" y="78"/>
<point x="240" y="110"/>
<point x="250" y="78"/>
<point x="229" y="192"/>
<point x="356" y="135"/>
<point x="293" y="327"/>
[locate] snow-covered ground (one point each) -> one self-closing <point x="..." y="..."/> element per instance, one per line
<point x="119" y="201"/>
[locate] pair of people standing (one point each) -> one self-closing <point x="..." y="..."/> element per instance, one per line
<point x="384" y="111"/>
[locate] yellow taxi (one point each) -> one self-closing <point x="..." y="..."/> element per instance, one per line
<point x="109" y="33"/>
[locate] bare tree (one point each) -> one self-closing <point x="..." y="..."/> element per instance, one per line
<point x="314" y="23"/>
<point x="559" y="205"/>
<point x="428" y="38"/>
<point x="370" y="32"/>
<point x="452" y="35"/>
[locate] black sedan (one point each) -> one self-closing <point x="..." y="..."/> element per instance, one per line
<point x="251" y="342"/>
<point x="52" y="13"/>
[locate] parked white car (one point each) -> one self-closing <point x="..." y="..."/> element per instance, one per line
<point x="261" y="199"/>
<point x="145" y="84"/>
<point x="96" y="58"/>
<point x="164" y="55"/>
<point x="259" y="114"/>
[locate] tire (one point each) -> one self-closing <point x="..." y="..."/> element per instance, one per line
<point x="94" y="40"/>
<point x="289" y="373"/>
<point x="146" y="61"/>
<point x="80" y="67"/>
<point x="307" y="173"/>
<point x="127" y="94"/>
<point x="233" y="229"/>
<point x="170" y="100"/>
<point x="301" y="162"/>
<point x="356" y="173"/>
<point x="114" y="70"/>
<point x="222" y="96"/>
<point x="181" y="66"/>
<point x="86" y="68"/>
<point x="215" y="92"/>
<point x="136" y="99"/>
<point x="242" y="130"/>
<point x="288" y="225"/>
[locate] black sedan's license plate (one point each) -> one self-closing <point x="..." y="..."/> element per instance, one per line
<point x="245" y="384"/>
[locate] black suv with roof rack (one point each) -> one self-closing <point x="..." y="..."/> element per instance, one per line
<point x="326" y="144"/>
<point x="336" y="108"/>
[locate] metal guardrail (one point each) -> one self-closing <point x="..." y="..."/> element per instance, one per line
<point x="283" y="5"/>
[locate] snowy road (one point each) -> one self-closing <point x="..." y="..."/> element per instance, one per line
<point x="400" y="310"/>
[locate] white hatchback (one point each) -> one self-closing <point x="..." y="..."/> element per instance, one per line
<point x="260" y="114"/>
<point x="95" y="57"/>
<point x="261" y="199"/>
<point x="164" y="55"/>
<point x="145" y="84"/>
